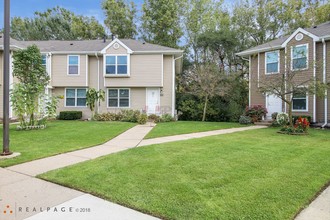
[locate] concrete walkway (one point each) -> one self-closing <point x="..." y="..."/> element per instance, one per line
<point x="26" y="196"/>
<point x="34" y="199"/>
<point x="195" y="135"/>
<point x="319" y="209"/>
<point x="129" y="139"/>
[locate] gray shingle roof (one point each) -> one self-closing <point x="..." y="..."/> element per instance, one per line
<point x="321" y="30"/>
<point x="90" y="45"/>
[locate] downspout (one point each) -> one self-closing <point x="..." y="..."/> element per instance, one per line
<point x="314" y="75"/>
<point x="98" y="77"/>
<point x="173" y="85"/>
<point x="325" y="81"/>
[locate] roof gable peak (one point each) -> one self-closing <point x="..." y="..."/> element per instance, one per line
<point x="103" y="51"/>
<point x="313" y="36"/>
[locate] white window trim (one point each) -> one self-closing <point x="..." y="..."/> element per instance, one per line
<point x="307" y="57"/>
<point x="293" y="110"/>
<point x="75" y="99"/>
<point x="278" y="62"/>
<point x="116" y="74"/>
<point x="129" y="99"/>
<point x="68" y="64"/>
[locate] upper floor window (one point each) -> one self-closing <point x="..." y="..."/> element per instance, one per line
<point x="44" y="60"/>
<point x="116" y="65"/>
<point x="75" y="97"/>
<point x="299" y="56"/>
<point x="73" y="65"/>
<point x="300" y="101"/>
<point x="272" y="62"/>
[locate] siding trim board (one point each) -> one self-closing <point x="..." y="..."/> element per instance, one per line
<point x="250" y="72"/>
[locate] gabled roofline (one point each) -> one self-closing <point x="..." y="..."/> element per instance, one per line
<point x="313" y="36"/>
<point x="119" y="42"/>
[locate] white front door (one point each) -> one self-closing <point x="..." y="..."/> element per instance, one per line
<point x="273" y="104"/>
<point x="153" y="100"/>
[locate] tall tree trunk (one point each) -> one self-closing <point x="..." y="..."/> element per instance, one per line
<point x="290" y="114"/>
<point x="205" y="107"/>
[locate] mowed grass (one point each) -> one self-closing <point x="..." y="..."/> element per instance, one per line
<point x="60" y="137"/>
<point x="257" y="174"/>
<point x="186" y="127"/>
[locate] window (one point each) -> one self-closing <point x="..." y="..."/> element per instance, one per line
<point x="116" y="65"/>
<point x="272" y="62"/>
<point x="299" y="57"/>
<point x="299" y="101"/>
<point x="44" y="60"/>
<point x="118" y="98"/>
<point x="75" y="97"/>
<point x="73" y="65"/>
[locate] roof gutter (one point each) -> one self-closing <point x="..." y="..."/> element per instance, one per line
<point x="241" y="54"/>
<point x="325" y="81"/>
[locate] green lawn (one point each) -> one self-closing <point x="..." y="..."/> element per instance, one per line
<point x="255" y="174"/>
<point x="186" y="127"/>
<point x="59" y="137"/>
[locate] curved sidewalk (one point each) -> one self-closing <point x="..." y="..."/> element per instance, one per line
<point x="182" y="137"/>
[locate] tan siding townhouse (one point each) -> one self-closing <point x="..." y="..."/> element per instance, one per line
<point x="306" y="51"/>
<point x="134" y="74"/>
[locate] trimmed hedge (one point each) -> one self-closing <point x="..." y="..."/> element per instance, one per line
<point x="70" y="115"/>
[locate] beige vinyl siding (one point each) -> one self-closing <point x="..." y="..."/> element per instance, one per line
<point x="166" y="98"/>
<point x="92" y="72"/>
<point x="120" y="50"/>
<point x="137" y="100"/>
<point x="60" y="77"/>
<point x="61" y="105"/>
<point x="145" y="71"/>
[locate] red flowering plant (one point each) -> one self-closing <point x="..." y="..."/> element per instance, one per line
<point x="256" y="112"/>
<point x="301" y="125"/>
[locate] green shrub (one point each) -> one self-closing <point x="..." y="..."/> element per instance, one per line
<point x="245" y="120"/>
<point x="106" y="117"/>
<point x="70" y="115"/>
<point x="143" y="118"/>
<point x="274" y="116"/>
<point x="130" y="115"/>
<point x="166" y="118"/>
<point x="256" y="112"/>
<point x="154" y="118"/>
<point x="282" y="118"/>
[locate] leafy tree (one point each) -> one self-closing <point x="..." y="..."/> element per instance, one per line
<point x="33" y="79"/>
<point x="161" y="22"/>
<point x="56" y="24"/>
<point x="207" y="82"/>
<point x="93" y="97"/>
<point x="199" y="16"/>
<point x="120" y="17"/>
